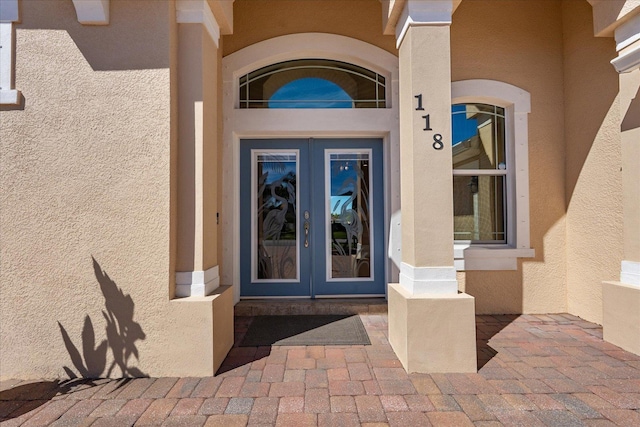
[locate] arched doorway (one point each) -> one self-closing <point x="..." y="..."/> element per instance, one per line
<point x="361" y="122"/>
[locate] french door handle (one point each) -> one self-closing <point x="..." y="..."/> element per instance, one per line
<point x="306" y="234"/>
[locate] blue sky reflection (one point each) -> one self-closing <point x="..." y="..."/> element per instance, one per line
<point x="310" y="92"/>
<point x="462" y="127"/>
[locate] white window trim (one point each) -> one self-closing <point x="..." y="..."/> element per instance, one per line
<point x="9" y="14"/>
<point x="517" y="105"/>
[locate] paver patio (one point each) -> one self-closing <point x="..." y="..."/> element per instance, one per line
<point x="543" y="370"/>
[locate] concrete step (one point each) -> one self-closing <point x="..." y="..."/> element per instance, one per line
<point x="284" y="307"/>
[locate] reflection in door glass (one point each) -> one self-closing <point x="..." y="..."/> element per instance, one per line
<point x="276" y="222"/>
<point x="350" y="220"/>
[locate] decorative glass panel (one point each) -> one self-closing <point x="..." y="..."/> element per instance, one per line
<point x="478" y="137"/>
<point x="349" y="215"/>
<point x="276" y="243"/>
<point x="312" y="83"/>
<point x="478" y="206"/>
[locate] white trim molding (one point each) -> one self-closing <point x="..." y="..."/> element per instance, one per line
<point x="9" y="13"/>
<point x="627" y="37"/>
<point x="92" y="12"/>
<point x="197" y="283"/>
<point x="517" y="105"/>
<point x="630" y="273"/>
<point x="423" y="13"/>
<point x="198" y="12"/>
<point x="627" y="61"/>
<point x="428" y="280"/>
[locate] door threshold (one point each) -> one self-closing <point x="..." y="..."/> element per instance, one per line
<point x="289" y="306"/>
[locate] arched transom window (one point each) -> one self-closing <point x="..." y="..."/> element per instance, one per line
<point x="312" y="83"/>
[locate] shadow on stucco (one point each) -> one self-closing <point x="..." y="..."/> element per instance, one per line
<point x="631" y="119"/>
<point x="121" y="331"/>
<point x="137" y="37"/>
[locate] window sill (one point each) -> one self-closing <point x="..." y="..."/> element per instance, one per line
<point x="10" y="97"/>
<point x="489" y="257"/>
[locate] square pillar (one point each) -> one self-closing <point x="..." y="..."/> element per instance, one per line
<point x="621" y="299"/>
<point x="431" y="324"/>
<point x="199" y="85"/>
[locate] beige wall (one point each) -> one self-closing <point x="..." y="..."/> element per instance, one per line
<point x="549" y="50"/>
<point x="521" y="43"/>
<point x="593" y="162"/>
<point x="255" y="21"/>
<point x="87" y="197"/>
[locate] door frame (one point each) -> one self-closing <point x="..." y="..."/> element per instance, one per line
<point x="303" y="123"/>
<point x="313" y="194"/>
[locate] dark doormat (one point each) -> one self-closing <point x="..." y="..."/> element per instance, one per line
<point x="306" y="330"/>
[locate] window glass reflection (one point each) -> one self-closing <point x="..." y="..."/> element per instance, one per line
<point x="478" y="136"/>
<point x="310" y="92"/>
<point x="350" y="222"/>
<point x="478" y="206"/>
<point x="312" y="83"/>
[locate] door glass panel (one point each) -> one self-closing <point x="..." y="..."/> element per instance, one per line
<point x="276" y="254"/>
<point x="349" y="215"/>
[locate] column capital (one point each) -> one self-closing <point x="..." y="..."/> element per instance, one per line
<point x="627" y="37"/>
<point x="198" y="12"/>
<point x="424" y="12"/>
<point x="92" y="12"/>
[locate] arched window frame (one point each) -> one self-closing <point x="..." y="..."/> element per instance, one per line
<point x="340" y="73"/>
<point x="517" y="105"/>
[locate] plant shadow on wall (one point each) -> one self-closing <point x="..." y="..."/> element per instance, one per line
<point x="122" y="333"/>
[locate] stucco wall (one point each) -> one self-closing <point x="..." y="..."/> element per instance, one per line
<point x="593" y="162"/>
<point x="85" y="200"/>
<point x="521" y="43"/>
<point x="255" y="21"/>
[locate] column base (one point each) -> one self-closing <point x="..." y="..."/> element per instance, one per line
<point x="621" y="315"/>
<point x="197" y="283"/>
<point x="432" y="333"/>
<point x="201" y="333"/>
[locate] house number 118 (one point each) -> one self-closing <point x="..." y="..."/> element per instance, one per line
<point x="437" y="138"/>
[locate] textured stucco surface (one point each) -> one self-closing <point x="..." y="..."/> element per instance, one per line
<point x="593" y="162"/>
<point x="89" y="175"/>
<point x="255" y="21"/>
<point x="520" y="43"/>
<point x="86" y="174"/>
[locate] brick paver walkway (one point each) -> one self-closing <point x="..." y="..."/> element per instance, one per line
<point x="545" y="370"/>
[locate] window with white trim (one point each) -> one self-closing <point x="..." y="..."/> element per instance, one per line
<point x="490" y="174"/>
<point x="479" y="173"/>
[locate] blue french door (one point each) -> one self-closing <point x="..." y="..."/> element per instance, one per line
<point x="311" y="217"/>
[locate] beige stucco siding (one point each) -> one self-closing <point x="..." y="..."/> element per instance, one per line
<point x="85" y="173"/>
<point x="593" y="162"/>
<point x="255" y="21"/>
<point x="520" y="43"/>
